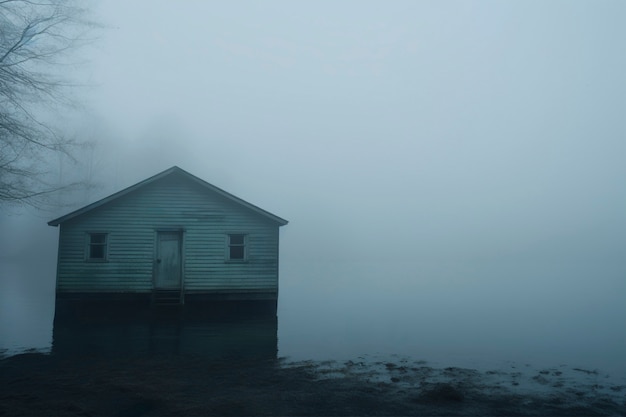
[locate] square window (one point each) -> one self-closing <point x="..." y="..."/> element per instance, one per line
<point x="236" y="239"/>
<point x="236" y="252"/>
<point x="236" y="247"/>
<point x="97" y="247"/>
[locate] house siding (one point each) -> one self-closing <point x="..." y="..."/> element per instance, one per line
<point x="171" y="203"/>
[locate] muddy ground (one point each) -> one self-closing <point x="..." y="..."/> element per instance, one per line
<point x="36" y="385"/>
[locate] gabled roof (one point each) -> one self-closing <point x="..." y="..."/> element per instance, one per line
<point x="166" y="173"/>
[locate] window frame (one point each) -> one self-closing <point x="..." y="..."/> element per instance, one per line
<point x="243" y="245"/>
<point x="89" y="244"/>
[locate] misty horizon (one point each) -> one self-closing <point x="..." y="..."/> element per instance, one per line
<point x="454" y="165"/>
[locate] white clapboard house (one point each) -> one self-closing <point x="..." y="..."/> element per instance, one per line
<point x="170" y="239"/>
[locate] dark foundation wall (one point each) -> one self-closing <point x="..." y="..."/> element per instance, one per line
<point x="128" y="324"/>
<point x="120" y="307"/>
<point x="166" y="334"/>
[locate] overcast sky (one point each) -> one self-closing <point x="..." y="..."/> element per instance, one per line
<point x="457" y="130"/>
<point x="473" y="128"/>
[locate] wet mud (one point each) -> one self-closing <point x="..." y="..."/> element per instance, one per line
<point x="35" y="384"/>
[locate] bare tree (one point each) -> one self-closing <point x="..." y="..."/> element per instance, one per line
<point x="36" y="37"/>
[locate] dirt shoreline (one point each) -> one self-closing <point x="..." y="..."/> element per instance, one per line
<point x="90" y="385"/>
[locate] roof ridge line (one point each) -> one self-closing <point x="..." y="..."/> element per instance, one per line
<point x="163" y="174"/>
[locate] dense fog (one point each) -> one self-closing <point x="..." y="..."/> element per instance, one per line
<point x="453" y="170"/>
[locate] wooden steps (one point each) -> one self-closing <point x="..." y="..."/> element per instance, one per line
<point x="167" y="297"/>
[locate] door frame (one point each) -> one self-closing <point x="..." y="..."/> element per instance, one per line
<point x="155" y="270"/>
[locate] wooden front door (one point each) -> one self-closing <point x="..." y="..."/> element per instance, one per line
<point x="168" y="262"/>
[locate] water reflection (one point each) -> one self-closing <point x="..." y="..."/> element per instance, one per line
<point x="168" y="333"/>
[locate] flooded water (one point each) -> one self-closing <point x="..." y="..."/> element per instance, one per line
<point x="26" y="307"/>
<point x="473" y="316"/>
<point x="461" y="315"/>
